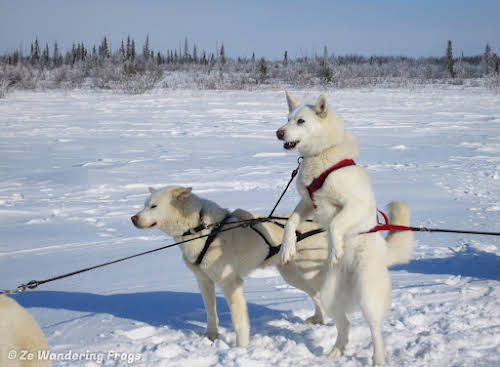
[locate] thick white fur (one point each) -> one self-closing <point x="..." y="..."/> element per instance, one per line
<point x="20" y="332"/>
<point x="346" y="208"/>
<point x="233" y="254"/>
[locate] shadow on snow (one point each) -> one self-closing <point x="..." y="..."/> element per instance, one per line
<point x="469" y="262"/>
<point x="178" y="310"/>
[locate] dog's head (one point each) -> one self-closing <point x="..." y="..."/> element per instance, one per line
<point x="310" y="128"/>
<point x="171" y="209"/>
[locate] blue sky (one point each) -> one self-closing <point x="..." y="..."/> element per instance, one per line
<point x="383" y="27"/>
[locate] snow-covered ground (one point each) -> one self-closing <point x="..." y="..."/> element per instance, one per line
<point x="75" y="166"/>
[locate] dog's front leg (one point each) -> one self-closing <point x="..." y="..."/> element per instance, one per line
<point x="288" y="247"/>
<point x="233" y="291"/>
<point x="207" y="288"/>
<point x="335" y="245"/>
<point x="345" y="220"/>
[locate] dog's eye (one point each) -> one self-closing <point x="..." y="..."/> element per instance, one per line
<point x="300" y="121"/>
<point x="153" y="206"/>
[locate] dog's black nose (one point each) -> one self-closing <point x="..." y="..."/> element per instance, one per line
<point x="280" y="134"/>
<point x="134" y="219"/>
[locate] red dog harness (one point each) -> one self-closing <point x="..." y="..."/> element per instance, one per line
<point x="318" y="182"/>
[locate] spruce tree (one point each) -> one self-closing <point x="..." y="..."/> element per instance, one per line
<point x="15" y="57"/>
<point x="195" y="54"/>
<point x="262" y="69"/>
<point x="35" y="53"/>
<point x="84" y="52"/>
<point x="45" y="55"/>
<point x="73" y="54"/>
<point x="145" y="49"/>
<point x="487" y="59"/>
<point x="222" y="54"/>
<point x="104" y="48"/>
<point x="285" y="58"/>
<point x="449" y="60"/>
<point x="122" y="51"/>
<point x="128" y="52"/>
<point x="325" y="71"/>
<point x="132" y="50"/>
<point x="185" y="57"/>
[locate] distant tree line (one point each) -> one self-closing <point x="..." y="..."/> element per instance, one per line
<point x="189" y="67"/>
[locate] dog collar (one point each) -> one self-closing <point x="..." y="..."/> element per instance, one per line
<point x="316" y="184"/>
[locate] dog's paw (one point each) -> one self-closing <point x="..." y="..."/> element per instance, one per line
<point x="287" y="253"/>
<point x="212" y="335"/>
<point x="335" y="353"/>
<point x="314" y="320"/>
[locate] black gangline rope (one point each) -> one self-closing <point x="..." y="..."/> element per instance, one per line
<point x="237" y="224"/>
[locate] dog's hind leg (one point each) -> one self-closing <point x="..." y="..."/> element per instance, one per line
<point x="337" y="302"/>
<point x="374" y="302"/>
<point x="295" y="277"/>
<point x="343" y="324"/>
<point x="233" y="291"/>
<point x="207" y="288"/>
<point x="319" y="314"/>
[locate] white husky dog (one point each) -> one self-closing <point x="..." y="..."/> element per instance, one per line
<point x="233" y="254"/>
<point x="340" y="197"/>
<point x="22" y="343"/>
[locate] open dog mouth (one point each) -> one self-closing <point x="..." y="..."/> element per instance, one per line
<point x="290" y="144"/>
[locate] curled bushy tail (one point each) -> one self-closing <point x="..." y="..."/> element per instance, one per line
<point x="399" y="243"/>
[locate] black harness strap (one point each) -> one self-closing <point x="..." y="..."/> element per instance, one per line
<point x="198" y="228"/>
<point x="300" y="236"/>
<point x="273" y="250"/>
<point x="211" y="237"/>
<point x="303" y="236"/>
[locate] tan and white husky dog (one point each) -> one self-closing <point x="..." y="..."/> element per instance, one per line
<point x="233" y="254"/>
<point x="344" y="204"/>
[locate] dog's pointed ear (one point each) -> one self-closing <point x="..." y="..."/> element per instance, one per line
<point x="292" y="101"/>
<point x="151" y="189"/>
<point x="321" y="107"/>
<point x="182" y="193"/>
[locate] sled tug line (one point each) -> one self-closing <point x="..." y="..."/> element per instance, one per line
<point x="226" y="225"/>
